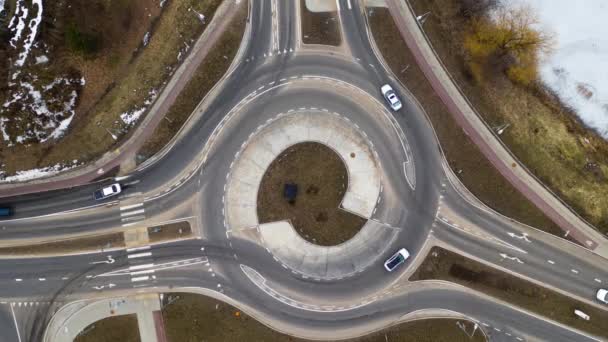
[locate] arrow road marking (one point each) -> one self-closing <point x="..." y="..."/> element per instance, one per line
<point x="101" y="287"/>
<point x="505" y="256"/>
<point x="523" y="236"/>
<point x="109" y="261"/>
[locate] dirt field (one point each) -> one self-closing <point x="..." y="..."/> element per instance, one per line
<point x="473" y="169"/>
<point x="92" y="243"/>
<point x="544" y="134"/>
<point x="445" y="265"/>
<point x="320" y="27"/>
<point x="194" y="318"/>
<point x="211" y="70"/>
<point x="104" y="42"/>
<point x="112" y="329"/>
<point x="171" y="231"/>
<point x="322" y="180"/>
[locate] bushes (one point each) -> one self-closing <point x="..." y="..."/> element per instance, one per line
<point x="82" y="42"/>
<point x="508" y="43"/>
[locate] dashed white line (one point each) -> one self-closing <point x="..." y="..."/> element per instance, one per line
<point x="551" y="262"/>
<point x="131" y="213"/>
<point x="139" y="255"/>
<point x="597" y="280"/>
<point x="18" y="279"/>
<point x="135" y="249"/>
<point x="136" y="279"/>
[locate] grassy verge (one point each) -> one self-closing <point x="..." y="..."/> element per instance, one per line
<point x="86" y="244"/>
<point x="472" y="168"/>
<point x="193" y="318"/>
<point x="319" y="27"/>
<point x="315" y="212"/>
<point x="118" y="328"/>
<point x="170" y="231"/>
<point x="445" y="265"/>
<point x="120" y="78"/>
<point x="211" y="70"/>
<point x="543" y="134"/>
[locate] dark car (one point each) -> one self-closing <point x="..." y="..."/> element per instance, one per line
<point x="6" y="211"/>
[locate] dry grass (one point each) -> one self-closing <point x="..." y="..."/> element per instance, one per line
<point x="315" y="214"/>
<point x="112" y="329"/>
<point x="546" y="136"/>
<point x="93" y="243"/>
<point x="320" y="27"/>
<point x="194" y="318"/>
<point x="445" y="265"/>
<point x="129" y="72"/>
<point x="472" y="168"/>
<point x="170" y="231"/>
<point x="211" y="70"/>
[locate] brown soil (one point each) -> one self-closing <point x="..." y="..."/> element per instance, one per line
<point x="469" y="164"/>
<point x="118" y="328"/>
<point x="322" y="180"/>
<point x="445" y="265"/>
<point x="84" y="244"/>
<point x="211" y="70"/>
<point x="171" y="231"/>
<point x="320" y="27"/>
<point x="194" y="318"/>
<point x="544" y="134"/>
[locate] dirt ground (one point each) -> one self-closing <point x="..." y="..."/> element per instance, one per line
<point x="472" y="168"/>
<point x="322" y="180"/>
<point x="320" y="27"/>
<point x="120" y="73"/>
<point x="112" y="329"/>
<point x="445" y="265"/>
<point x="194" y="318"/>
<point x="68" y="246"/>
<point x="211" y="70"/>
<point x="171" y="231"/>
<point x="543" y="133"/>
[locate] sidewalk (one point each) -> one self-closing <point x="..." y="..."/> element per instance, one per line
<point x="492" y="148"/>
<point x="146" y="307"/>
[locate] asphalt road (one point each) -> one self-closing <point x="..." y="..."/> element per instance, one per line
<point x="264" y="84"/>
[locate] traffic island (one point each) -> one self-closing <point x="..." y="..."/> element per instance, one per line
<point x="305" y="185"/>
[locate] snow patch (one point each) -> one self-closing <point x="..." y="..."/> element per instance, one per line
<point x="577" y="71"/>
<point x="132" y="116"/>
<point x="146" y="39"/>
<point x="35" y="173"/>
<point x="42" y="59"/>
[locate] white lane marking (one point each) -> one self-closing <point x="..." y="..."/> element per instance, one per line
<point x="18" y="279"/>
<point x="597" y="280"/>
<point x="338" y="4"/>
<point x="350" y="7"/>
<point x="139" y="267"/>
<point x="142" y="272"/>
<point x="131" y="213"/>
<point x="139" y="255"/>
<point x="551" y="262"/>
<point x="135" y="249"/>
<point x="574" y="271"/>
<point x="129" y="224"/>
<point x="16" y="325"/>
<point x="127" y="207"/>
<point x="41" y="279"/>
<point x="133" y="218"/>
<point x="144" y="278"/>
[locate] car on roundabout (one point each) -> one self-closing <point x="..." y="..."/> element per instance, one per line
<point x="391" y="97"/>
<point x="396" y="259"/>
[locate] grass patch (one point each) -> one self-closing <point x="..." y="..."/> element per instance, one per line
<point x="319" y="27"/>
<point x="117" y="328"/>
<point x="193" y="318"/>
<point x="85" y="244"/>
<point x="210" y="71"/>
<point x="470" y="165"/>
<point x="543" y="134"/>
<point x="315" y="213"/>
<point x="445" y="265"/>
<point x="119" y="77"/>
<point x="170" y="231"/>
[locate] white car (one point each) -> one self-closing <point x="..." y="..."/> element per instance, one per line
<point x="602" y="295"/>
<point x="397" y="259"/>
<point x="108" y="191"/>
<point x="391" y="97"/>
